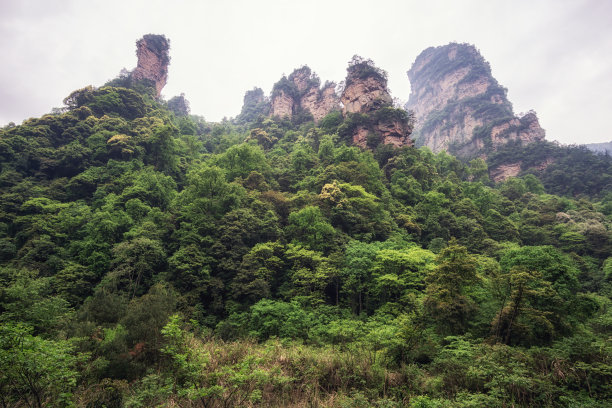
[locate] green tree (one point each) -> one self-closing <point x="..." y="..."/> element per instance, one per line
<point x="240" y="160"/>
<point x="310" y="273"/>
<point x="30" y="299"/>
<point x="36" y="372"/>
<point x="309" y="227"/>
<point x="356" y="274"/>
<point x="446" y="301"/>
<point x="397" y="273"/>
<point x="275" y="318"/>
<point x="519" y="319"/>
<point x="541" y="283"/>
<point x="135" y="264"/>
<point x="260" y="273"/>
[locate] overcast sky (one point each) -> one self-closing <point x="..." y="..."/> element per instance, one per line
<point x="554" y="56"/>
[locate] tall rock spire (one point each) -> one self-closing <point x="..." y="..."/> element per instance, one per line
<point x="459" y="107"/>
<point x="153" y="59"/>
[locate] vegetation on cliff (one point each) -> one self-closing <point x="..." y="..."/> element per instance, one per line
<point x="149" y="258"/>
<point x="460" y="106"/>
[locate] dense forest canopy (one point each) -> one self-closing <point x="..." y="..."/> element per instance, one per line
<point x="150" y="258"/>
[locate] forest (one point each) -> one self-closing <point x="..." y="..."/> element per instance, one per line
<point x="151" y="258"/>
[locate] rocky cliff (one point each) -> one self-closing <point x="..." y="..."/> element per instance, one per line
<point x="367" y="104"/>
<point x="459" y="107"/>
<point x="301" y="92"/>
<point x="364" y="100"/>
<point x="153" y="59"/>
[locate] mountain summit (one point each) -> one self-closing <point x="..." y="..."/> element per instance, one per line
<point x="153" y="59"/>
<point x="459" y="106"/>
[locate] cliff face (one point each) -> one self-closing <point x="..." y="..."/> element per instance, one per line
<point x="254" y="104"/>
<point x="153" y="59"/>
<point x="365" y="102"/>
<point x="320" y="102"/>
<point x="365" y="93"/>
<point x="282" y="104"/>
<point x="459" y="107"/>
<point x="301" y="92"/>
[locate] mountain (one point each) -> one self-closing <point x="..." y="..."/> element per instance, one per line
<point x="149" y="258"/>
<point x="600" y="147"/>
<point x="459" y="106"/>
<point x="301" y="92"/>
<point x="364" y="101"/>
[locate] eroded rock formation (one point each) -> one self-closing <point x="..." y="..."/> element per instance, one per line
<point x="365" y="93"/>
<point x="459" y="107"/>
<point x="301" y="92"/>
<point x="365" y="88"/>
<point x="283" y="104"/>
<point x="153" y="59"/>
<point x="366" y="104"/>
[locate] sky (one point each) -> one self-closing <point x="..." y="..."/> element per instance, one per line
<point x="553" y="56"/>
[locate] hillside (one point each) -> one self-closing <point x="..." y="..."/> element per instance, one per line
<point x="286" y="258"/>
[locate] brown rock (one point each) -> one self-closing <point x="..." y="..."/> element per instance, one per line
<point x="320" y="102"/>
<point x="303" y="79"/>
<point x="505" y="171"/>
<point x="365" y="95"/>
<point x="153" y="59"/>
<point x="396" y="133"/>
<point x="328" y="102"/>
<point x="282" y="105"/>
<point x="365" y="92"/>
<point x="300" y="91"/>
<point x="360" y="136"/>
<point x="459" y="107"/>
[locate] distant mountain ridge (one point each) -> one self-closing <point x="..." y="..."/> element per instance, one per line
<point x="605" y="147"/>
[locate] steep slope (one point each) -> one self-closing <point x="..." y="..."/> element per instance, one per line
<point x="149" y="258"/>
<point x="459" y="106"/>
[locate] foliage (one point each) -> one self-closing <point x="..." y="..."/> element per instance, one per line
<point x="36" y="371"/>
<point x="360" y="69"/>
<point x="567" y="170"/>
<point x="149" y="258"/>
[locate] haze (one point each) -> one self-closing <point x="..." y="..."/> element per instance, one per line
<point x="553" y="56"/>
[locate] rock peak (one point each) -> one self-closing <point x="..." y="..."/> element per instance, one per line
<point x="365" y="87"/>
<point x="368" y="105"/>
<point x="459" y="107"/>
<point x="152" y="51"/>
<point x="301" y="92"/>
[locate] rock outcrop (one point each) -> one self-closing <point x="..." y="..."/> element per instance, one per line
<point x="366" y="104"/>
<point x="320" y="102"/>
<point x="394" y="131"/>
<point x="153" y="59"/>
<point x="283" y="104"/>
<point x="504" y="171"/>
<point x="365" y="88"/>
<point x="459" y="107"/>
<point x="300" y="93"/>
<point x="366" y="99"/>
<point x="254" y="104"/>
